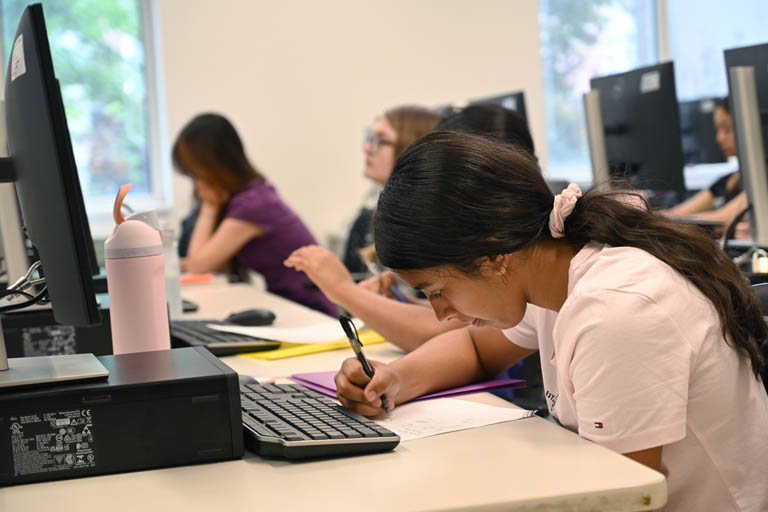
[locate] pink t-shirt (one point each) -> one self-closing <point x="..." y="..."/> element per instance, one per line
<point x="635" y="359"/>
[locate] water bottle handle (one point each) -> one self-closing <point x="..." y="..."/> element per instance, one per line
<point x="117" y="210"/>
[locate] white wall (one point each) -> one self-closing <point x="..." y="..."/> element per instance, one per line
<point x="301" y="79"/>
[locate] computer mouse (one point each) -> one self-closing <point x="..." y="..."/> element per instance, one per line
<point x="246" y="379"/>
<point x="251" y="317"/>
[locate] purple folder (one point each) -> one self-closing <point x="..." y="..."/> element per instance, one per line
<point x="323" y="382"/>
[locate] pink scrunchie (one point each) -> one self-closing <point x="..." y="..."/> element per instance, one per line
<point x="564" y="204"/>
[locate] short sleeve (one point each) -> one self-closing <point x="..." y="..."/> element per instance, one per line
<point x="629" y="367"/>
<point x="525" y="334"/>
<point x="718" y="188"/>
<point x="259" y="205"/>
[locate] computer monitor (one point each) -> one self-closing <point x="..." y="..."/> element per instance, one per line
<point x="42" y="166"/>
<point x="757" y="58"/>
<point x="513" y="101"/>
<point x="446" y="110"/>
<point x="699" y="137"/>
<point x="641" y="125"/>
<point x="749" y="108"/>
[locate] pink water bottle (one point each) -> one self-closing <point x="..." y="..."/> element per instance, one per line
<point x="136" y="282"/>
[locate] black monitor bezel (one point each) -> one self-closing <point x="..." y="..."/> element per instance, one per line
<point x="52" y="205"/>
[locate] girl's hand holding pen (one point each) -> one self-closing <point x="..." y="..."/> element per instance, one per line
<point x="360" y="393"/>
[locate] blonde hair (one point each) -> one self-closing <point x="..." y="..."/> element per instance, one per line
<point x="411" y="123"/>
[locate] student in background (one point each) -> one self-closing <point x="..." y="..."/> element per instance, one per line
<point x="658" y="341"/>
<point x="724" y="199"/>
<point x="241" y="215"/>
<point x="389" y="135"/>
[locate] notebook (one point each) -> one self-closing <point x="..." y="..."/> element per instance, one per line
<point x="323" y="382"/>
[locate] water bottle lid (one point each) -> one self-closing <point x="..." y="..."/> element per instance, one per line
<point x="133" y="239"/>
<point x="148" y="217"/>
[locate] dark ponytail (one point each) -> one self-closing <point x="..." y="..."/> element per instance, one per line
<point x="453" y="199"/>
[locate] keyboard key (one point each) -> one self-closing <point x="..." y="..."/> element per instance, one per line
<point x="367" y="432"/>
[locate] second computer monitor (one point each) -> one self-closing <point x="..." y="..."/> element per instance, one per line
<point x="757" y="58"/>
<point x="512" y="101"/>
<point x="642" y="130"/>
<point x="699" y="136"/>
<point x="749" y="107"/>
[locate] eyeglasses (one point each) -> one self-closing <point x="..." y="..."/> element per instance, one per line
<point x="375" y="142"/>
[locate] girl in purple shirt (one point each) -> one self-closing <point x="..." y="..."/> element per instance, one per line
<point x="241" y="215"/>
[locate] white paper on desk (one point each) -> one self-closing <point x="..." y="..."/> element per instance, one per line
<point x="432" y="417"/>
<point x="321" y="332"/>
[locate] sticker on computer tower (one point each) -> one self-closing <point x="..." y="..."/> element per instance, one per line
<point x="49" y="340"/>
<point x="54" y="441"/>
<point x="650" y="82"/>
<point x="18" y="64"/>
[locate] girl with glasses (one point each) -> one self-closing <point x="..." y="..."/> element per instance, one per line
<point x="389" y="135"/>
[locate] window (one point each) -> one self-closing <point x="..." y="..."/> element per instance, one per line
<point x="582" y="39"/>
<point x="103" y="55"/>
<point x="698" y="34"/>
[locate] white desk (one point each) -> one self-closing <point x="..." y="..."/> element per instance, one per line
<point x="530" y="464"/>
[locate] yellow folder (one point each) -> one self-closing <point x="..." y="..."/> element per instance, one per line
<point x="367" y="337"/>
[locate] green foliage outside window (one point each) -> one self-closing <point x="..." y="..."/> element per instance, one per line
<point x="98" y="57"/>
<point x="567" y="27"/>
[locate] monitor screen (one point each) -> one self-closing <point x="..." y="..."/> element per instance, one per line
<point x="642" y="129"/>
<point x="699" y="137"/>
<point x="513" y="101"/>
<point x="47" y="184"/>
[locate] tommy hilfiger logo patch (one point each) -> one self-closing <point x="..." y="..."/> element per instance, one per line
<point x="598" y="424"/>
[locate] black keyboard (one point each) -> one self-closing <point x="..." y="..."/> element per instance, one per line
<point x="294" y="422"/>
<point x="193" y="333"/>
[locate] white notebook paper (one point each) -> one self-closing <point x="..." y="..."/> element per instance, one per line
<point x="431" y="417"/>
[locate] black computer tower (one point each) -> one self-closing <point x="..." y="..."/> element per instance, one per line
<point x="156" y="409"/>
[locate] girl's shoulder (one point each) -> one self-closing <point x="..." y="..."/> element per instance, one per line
<point x="625" y="285"/>
<point x="598" y="267"/>
<point x="255" y="195"/>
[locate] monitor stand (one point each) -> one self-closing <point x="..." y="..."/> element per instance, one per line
<point x="27" y="371"/>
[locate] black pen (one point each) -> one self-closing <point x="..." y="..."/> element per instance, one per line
<point x="357" y="346"/>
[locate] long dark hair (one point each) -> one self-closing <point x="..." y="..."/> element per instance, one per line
<point x="209" y="148"/>
<point x="453" y="199"/>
